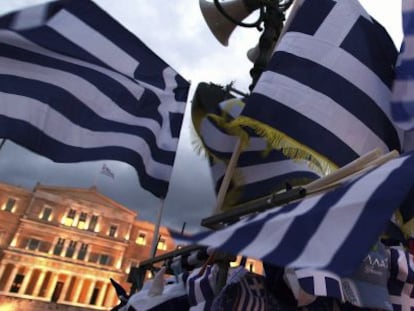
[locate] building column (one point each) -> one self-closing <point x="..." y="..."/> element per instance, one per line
<point x="11" y="278"/>
<point x="101" y="295"/>
<point x="78" y="289"/>
<point x="77" y="248"/>
<point x="51" y="286"/>
<point x="65" y="289"/>
<point x="110" y="297"/>
<point x="39" y="283"/>
<point x="90" y="291"/>
<point x="25" y="282"/>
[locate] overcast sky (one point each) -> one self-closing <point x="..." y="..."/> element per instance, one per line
<point x="176" y="31"/>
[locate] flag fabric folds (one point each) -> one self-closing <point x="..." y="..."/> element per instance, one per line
<point x="260" y="170"/>
<point x="325" y="94"/>
<point x="403" y="93"/>
<point x="332" y="231"/>
<point x="77" y="86"/>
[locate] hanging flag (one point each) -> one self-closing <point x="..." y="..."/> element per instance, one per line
<point x="332" y="231"/>
<point x="325" y="95"/>
<point x="76" y="86"/>
<point x="107" y="172"/>
<point x="260" y="170"/>
<point x="403" y="93"/>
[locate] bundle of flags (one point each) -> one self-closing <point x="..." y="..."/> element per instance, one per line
<point x="76" y="86"/>
<point x="260" y="170"/>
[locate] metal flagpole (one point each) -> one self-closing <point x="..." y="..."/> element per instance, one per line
<point x="155" y="239"/>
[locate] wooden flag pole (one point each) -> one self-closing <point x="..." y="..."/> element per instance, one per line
<point x="355" y="168"/>
<point x="227" y="177"/>
<point x="346" y="170"/>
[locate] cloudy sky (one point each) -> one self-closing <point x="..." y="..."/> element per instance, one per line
<point x="176" y="31"/>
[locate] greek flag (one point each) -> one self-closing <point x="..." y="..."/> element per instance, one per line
<point x="401" y="281"/>
<point x="403" y="93"/>
<point x="332" y="231"/>
<point x="325" y="95"/>
<point x="260" y="170"/>
<point x="76" y="86"/>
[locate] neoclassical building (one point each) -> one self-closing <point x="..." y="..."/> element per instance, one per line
<point x="62" y="245"/>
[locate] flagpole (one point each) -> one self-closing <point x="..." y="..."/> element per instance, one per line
<point x="157" y="230"/>
<point x="95" y="179"/>
<point x="227" y="177"/>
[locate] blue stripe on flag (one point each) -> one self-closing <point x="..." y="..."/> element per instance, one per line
<point x="77" y="86"/>
<point x="332" y="231"/>
<point x="328" y="88"/>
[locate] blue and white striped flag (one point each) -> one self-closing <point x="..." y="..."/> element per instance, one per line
<point x="76" y="86"/>
<point x="403" y="91"/>
<point x="201" y="287"/>
<point x="260" y="170"/>
<point x="326" y="92"/>
<point x="401" y="281"/>
<point x="332" y="231"/>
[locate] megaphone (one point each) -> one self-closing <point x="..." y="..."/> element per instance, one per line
<point x="221" y="26"/>
<point x="253" y="53"/>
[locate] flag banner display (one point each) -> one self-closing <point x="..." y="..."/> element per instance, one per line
<point x="333" y="231"/>
<point x="325" y="95"/>
<point x="75" y="85"/>
<point x="260" y="170"/>
<point x="403" y="89"/>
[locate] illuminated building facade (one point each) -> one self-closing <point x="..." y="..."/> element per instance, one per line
<point x="62" y="245"/>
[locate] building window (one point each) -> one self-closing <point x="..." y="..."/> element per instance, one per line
<point x="83" y="251"/>
<point x="82" y="221"/>
<point x="141" y="238"/>
<point x="70" y="218"/>
<point x="46" y="214"/>
<point x="9" y="206"/>
<point x="71" y="249"/>
<point x="104" y="259"/>
<point x="112" y="231"/>
<point x="17" y="282"/>
<point x="33" y="244"/>
<point x="93" y="223"/>
<point x="162" y="244"/>
<point x="59" y="247"/>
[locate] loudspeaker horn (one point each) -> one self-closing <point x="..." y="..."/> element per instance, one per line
<point x="253" y="53"/>
<point x="219" y="25"/>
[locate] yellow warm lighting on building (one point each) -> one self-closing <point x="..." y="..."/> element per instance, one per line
<point x="68" y="221"/>
<point x="118" y="263"/>
<point x="141" y="240"/>
<point x="10" y="306"/>
<point x="82" y="225"/>
<point x="54" y="258"/>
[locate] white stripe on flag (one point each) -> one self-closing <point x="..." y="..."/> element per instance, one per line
<point x="74" y="29"/>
